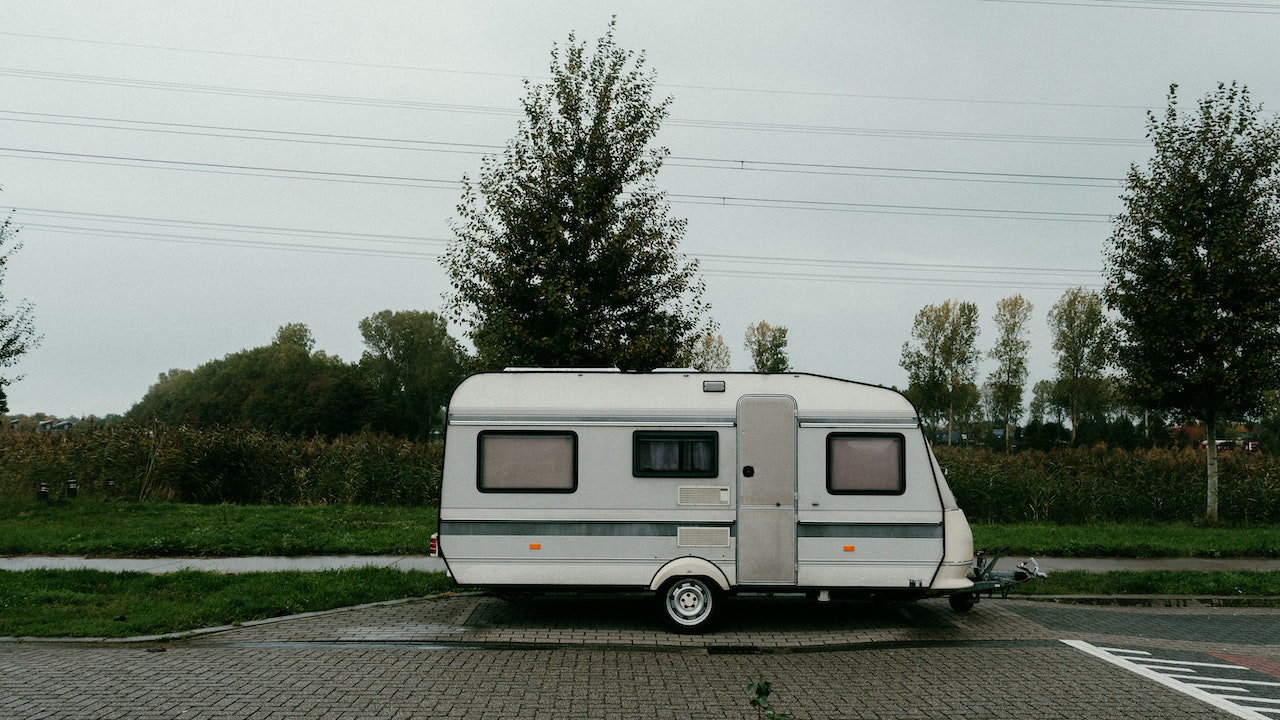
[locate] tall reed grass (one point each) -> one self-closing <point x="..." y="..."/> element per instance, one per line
<point x="220" y="465"/>
<point x="1100" y="484"/>
<point x="245" y="466"/>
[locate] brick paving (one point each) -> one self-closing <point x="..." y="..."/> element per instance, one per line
<point x="559" y="656"/>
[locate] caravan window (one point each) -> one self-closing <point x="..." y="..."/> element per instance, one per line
<point x="674" y="454"/>
<point x="523" y="461"/>
<point x="866" y="463"/>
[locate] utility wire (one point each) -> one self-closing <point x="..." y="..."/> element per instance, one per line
<point x="384" y="143"/>
<point x="516" y="76"/>
<point x="103" y="225"/>
<point x="230" y="169"/>
<point x="433" y="184"/>
<point x="1202" y="6"/>
<point x="511" y="112"/>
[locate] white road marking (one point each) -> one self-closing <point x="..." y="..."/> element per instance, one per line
<point x="1234" y="681"/>
<point x="1188" y="663"/>
<point x="1169" y="682"/>
<point x="1252" y="699"/>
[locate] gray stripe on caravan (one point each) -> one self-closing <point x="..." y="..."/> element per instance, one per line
<point x="518" y="419"/>
<point x="566" y="528"/>
<point x="839" y="530"/>
<point x="855" y="421"/>
<point x="668" y="529"/>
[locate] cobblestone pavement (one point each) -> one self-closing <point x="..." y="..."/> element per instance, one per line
<point x="560" y="656"/>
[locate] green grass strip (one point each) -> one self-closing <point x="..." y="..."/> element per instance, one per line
<point x="91" y="603"/>
<point x="1156" y="582"/>
<point x="98" y="528"/>
<point x="1133" y="541"/>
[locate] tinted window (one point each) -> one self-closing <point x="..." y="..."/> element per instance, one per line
<point x="527" y="462"/>
<point x="871" y="463"/>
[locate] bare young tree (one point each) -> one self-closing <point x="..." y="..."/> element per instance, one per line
<point x="941" y="362"/>
<point x="17" y="321"/>
<point x="1006" y="384"/>
<point x="767" y="345"/>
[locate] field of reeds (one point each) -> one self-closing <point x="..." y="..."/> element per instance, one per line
<point x="1076" y="486"/>
<point x="1084" y="486"/>
<point x="220" y="465"/>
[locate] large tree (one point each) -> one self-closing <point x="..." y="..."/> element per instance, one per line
<point x="767" y="345"/>
<point x="1083" y="341"/>
<point x="941" y="362"/>
<point x="17" y="323"/>
<point x="1013" y="318"/>
<point x="565" y="254"/>
<point x="412" y="365"/>
<point x="1194" y="264"/>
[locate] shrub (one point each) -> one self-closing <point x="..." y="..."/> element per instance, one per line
<point x="1099" y="484"/>
<point x="217" y="465"/>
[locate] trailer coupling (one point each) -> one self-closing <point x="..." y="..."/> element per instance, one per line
<point x="987" y="581"/>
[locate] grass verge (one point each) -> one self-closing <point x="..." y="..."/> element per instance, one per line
<point x="98" y="528"/>
<point x="1079" y="582"/>
<point x="91" y="603"/>
<point x="101" y="528"/>
<point x="1134" y="541"/>
<point x="95" y="604"/>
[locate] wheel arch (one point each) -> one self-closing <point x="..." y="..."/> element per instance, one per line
<point x="690" y="567"/>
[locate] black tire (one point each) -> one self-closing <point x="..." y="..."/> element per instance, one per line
<point x="689" y="604"/>
<point x="962" y="602"/>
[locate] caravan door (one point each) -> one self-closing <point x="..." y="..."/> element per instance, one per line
<point x="766" y="490"/>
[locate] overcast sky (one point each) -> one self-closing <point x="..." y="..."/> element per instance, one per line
<point x="190" y="176"/>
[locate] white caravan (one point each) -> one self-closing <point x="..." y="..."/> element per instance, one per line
<point x="693" y="485"/>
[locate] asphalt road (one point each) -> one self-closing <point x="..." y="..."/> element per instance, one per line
<point x="559" y="656"/>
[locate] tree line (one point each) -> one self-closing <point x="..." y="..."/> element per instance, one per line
<point x="943" y="355"/>
<point x="399" y="386"/>
<point x="1189" y="316"/>
<point x="409" y="368"/>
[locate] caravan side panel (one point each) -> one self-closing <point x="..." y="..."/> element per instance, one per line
<point x="610" y="529"/>
<point x="869" y="510"/>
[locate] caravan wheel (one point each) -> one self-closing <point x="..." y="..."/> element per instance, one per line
<point x="962" y="602"/>
<point x="689" y="604"/>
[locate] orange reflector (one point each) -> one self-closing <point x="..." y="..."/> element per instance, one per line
<point x="848" y="548"/>
<point x="535" y="546"/>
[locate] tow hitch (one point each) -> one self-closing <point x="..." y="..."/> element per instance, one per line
<point x="986" y="581"/>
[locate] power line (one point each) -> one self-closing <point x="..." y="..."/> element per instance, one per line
<point x="433" y="184"/>
<point x="1247" y="8"/>
<point x="904" y="280"/>
<point x="510" y="112"/>
<point x="787" y="268"/>
<point x="230" y="169"/>
<point x="910" y="134"/>
<point x="242" y="133"/>
<point x="832" y="169"/>
<point x="233" y="242"/>
<point x="885" y="265"/>
<point x="260" y="94"/>
<point x="887" y="209"/>
<point x="230" y="227"/>
<point x="481" y="73"/>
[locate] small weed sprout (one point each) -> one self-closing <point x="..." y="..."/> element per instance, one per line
<point x="764" y="711"/>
